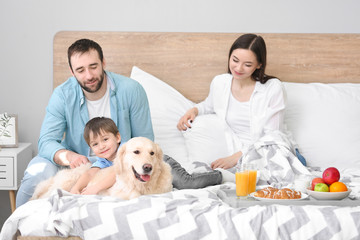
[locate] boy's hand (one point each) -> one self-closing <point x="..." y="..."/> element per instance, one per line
<point x="74" y="191"/>
<point x="90" y="190"/>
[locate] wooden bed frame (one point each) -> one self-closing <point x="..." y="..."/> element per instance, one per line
<point x="189" y="61"/>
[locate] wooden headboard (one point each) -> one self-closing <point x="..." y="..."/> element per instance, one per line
<point x="189" y="61"/>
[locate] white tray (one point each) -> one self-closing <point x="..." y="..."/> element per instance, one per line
<point x="229" y="197"/>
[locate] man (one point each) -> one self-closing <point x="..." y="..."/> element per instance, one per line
<point x="91" y="92"/>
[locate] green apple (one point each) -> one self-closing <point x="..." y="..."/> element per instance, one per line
<point x="321" y="187"/>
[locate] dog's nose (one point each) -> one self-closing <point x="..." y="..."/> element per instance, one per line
<point x="147" y="168"/>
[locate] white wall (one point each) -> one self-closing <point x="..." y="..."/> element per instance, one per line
<point x="27" y="28"/>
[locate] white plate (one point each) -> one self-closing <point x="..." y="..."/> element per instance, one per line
<point x="328" y="195"/>
<point x="303" y="196"/>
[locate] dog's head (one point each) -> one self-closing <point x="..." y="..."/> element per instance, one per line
<point x="139" y="159"/>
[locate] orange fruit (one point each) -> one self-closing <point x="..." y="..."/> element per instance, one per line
<point x="338" y="187"/>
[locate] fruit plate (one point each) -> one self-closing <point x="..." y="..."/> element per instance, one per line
<point x="303" y="196"/>
<point x="328" y="195"/>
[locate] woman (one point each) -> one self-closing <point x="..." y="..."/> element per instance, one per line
<point x="250" y="102"/>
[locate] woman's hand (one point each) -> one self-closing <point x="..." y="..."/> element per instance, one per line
<point x="227" y="162"/>
<point x="189" y="117"/>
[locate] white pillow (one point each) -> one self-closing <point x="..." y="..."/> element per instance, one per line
<point x="206" y="140"/>
<point x="325" y="122"/>
<point x="166" y="106"/>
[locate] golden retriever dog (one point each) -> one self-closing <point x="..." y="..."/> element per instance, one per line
<point x="139" y="169"/>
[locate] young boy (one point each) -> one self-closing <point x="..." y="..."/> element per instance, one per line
<point x="103" y="138"/>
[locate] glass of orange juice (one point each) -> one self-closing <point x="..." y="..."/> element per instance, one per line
<point x="252" y="177"/>
<point x="245" y="180"/>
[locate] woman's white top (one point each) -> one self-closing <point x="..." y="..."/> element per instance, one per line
<point x="238" y="119"/>
<point x="266" y="108"/>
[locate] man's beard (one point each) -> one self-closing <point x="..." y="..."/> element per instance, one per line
<point x="97" y="87"/>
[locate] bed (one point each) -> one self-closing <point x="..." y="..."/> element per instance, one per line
<point x="321" y="76"/>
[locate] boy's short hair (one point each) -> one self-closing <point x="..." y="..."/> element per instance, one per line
<point x="98" y="124"/>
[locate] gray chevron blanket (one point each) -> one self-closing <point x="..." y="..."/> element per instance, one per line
<point x="194" y="214"/>
<point x="274" y="156"/>
<point x="182" y="214"/>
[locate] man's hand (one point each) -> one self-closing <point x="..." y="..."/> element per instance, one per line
<point x="68" y="158"/>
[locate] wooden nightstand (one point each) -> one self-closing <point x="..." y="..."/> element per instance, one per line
<point x="13" y="162"/>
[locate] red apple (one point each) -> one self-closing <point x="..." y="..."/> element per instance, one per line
<point x="331" y="175"/>
<point x="316" y="181"/>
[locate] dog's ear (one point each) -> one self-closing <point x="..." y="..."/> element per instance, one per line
<point x="118" y="162"/>
<point x="159" y="152"/>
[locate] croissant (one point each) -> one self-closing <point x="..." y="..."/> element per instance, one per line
<point x="274" y="193"/>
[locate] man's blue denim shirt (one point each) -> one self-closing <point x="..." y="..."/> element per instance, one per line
<point x="67" y="114"/>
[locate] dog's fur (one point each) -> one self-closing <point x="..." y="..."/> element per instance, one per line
<point x="139" y="169"/>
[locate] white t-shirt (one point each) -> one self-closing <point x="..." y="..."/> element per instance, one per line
<point x="238" y="118"/>
<point x="99" y="108"/>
